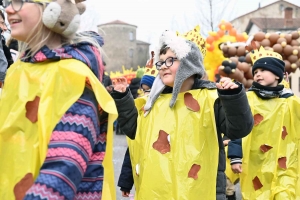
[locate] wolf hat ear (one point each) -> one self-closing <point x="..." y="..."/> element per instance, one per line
<point x="63" y="16"/>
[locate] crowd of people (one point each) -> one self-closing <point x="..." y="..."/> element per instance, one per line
<point x="58" y="109"/>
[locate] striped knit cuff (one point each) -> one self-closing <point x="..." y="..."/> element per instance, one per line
<point x="235" y="161"/>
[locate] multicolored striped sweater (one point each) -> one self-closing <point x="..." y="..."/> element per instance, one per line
<point x="73" y="166"/>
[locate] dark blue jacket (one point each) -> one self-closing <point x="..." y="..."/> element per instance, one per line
<point x="126" y="178"/>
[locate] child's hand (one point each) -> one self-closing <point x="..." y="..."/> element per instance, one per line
<point x="236" y="168"/>
<point x="225" y="142"/>
<point x="120" y="84"/>
<point x="226" y="84"/>
<point x="110" y="88"/>
<point x="125" y="194"/>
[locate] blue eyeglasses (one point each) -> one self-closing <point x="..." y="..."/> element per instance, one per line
<point x="168" y="62"/>
<point x="18" y="4"/>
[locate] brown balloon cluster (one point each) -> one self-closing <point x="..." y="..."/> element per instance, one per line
<point x="239" y="65"/>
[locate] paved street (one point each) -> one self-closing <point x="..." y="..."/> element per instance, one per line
<point x="120" y="146"/>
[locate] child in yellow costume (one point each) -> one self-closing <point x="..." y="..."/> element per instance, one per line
<point x="231" y="178"/>
<point x="54" y="109"/>
<point x="125" y="181"/>
<point x="271" y="152"/>
<point x="175" y="140"/>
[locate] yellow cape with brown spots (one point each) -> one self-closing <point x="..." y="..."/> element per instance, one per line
<point x="271" y="152"/>
<point x="175" y="151"/>
<point x="33" y="100"/>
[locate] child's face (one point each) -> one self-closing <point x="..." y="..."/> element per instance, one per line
<point x="24" y="21"/>
<point x="265" y="77"/>
<point x="167" y="74"/>
<point x="145" y="88"/>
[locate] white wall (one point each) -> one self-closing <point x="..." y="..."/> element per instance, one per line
<point x="254" y="29"/>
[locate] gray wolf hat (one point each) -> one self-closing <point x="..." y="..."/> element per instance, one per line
<point x="191" y="63"/>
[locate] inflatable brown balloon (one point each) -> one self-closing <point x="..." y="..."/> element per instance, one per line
<point x="273" y="38"/>
<point x="259" y="36"/>
<point x="288" y="50"/>
<point x="248" y="74"/>
<point x="287" y="45"/>
<point x="288" y="38"/>
<point x="295" y="43"/>
<point x="278" y="48"/>
<point x="293" y="58"/>
<point x="295" y="35"/>
<point x="243" y="66"/>
<point x="281" y="40"/>
<point x="232" y="51"/>
<point x="248" y="58"/>
<point x="265" y="42"/>
<point x="241" y="51"/>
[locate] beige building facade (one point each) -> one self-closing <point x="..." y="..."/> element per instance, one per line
<point x="282" y="12"/>
<point x="121" y="46"/>
<point x="295" y="82"/>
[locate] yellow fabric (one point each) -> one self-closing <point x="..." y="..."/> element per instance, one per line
<point x="140" y="102"/>
<point x="278" y="183"/>
<point x="229" y="173"/>
<point x="285" y="83"/>
<point x="23" y="144"/>
<point x="193" y="140"/>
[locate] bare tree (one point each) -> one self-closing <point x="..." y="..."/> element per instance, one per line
<point x="211" y="12"/>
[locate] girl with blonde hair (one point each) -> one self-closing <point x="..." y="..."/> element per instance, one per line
<point x="56" y="117"/>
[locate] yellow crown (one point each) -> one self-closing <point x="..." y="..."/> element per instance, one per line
<point x="150" y="69"/>
<point x="195" y="36"/>
<point x="262" y="53"/>
<point x="285" y="84"/>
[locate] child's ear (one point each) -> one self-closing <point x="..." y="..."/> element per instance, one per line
<point x="277" y="78"/>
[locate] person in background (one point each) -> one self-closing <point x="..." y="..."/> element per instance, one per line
<point x="13" y="47"/>
<point x="146" y="83"/>
<point x="3" y="59"/>
<point x="230" y="188"/>
<point x="135" y="83"/>
<point x="126" y="177"/>
<point x="4" y="47"/>
<point x="106" y="81"/>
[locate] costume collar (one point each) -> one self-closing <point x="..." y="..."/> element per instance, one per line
<point x="266" y="92"/>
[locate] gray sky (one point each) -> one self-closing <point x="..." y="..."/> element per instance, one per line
<point x="154" y="16"/>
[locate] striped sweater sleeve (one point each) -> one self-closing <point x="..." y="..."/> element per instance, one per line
<point x="235" y="152"/>
<point x="69" y="151"/>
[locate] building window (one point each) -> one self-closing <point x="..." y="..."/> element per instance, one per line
<point x="130" y="53"/>
<point x="131" y="36"/>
